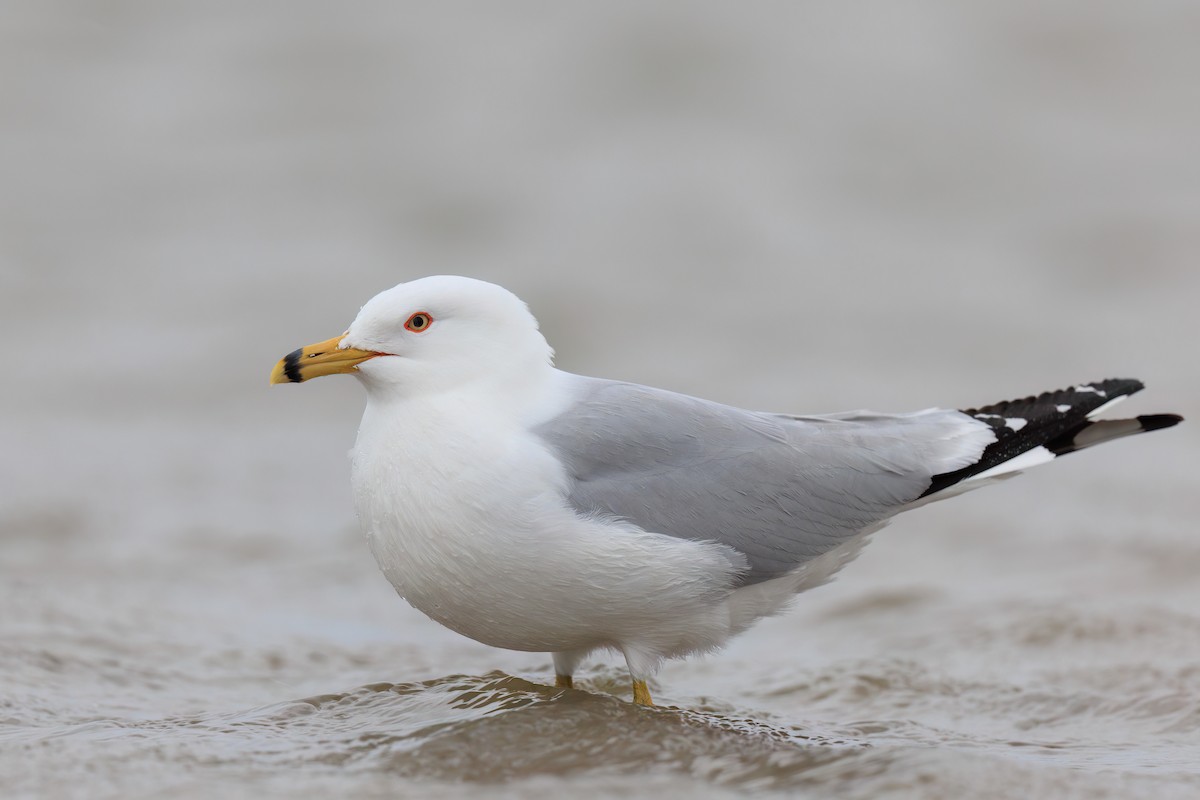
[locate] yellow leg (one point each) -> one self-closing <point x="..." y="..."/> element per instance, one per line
<point x="641" y="694"/>
<point x="564" y="682"/>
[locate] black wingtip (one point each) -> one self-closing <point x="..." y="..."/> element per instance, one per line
<point x="1054" y="420"/>
<point x="1082" y="399"/>
<point x="1154" y="422"/>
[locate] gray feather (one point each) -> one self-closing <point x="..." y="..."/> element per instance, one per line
<point x="781" y="490"/>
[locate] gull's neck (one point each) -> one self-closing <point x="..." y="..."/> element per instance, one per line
<point x="527" y="399"/>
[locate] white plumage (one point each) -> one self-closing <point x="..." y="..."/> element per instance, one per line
<point x="532" y="509"/>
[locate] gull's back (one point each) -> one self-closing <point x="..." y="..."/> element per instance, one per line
<point x="778" y="489"/>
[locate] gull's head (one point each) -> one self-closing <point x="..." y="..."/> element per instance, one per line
<point x="428" y="335"/>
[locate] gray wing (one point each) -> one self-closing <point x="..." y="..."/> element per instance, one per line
<point x="781" y="490"/>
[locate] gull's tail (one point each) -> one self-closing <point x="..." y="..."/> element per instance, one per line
<point x="1038" y="429"/>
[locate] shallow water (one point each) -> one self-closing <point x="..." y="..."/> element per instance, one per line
<point x="808" y="208"/>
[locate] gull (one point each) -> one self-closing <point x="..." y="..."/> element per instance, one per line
<point x="536" y="510"/>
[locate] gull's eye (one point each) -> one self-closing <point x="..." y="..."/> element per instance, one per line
<point x="418" y="322"/>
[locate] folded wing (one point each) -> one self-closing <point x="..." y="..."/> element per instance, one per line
<point x="780" y="490"/>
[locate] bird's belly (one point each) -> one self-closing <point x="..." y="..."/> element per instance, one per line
<point x="470" y="541"/>
<point x="513" y="624"/>
<point x="498" y="598"/>
<point x="490" y="549"/>
<point x="568" y="584"/>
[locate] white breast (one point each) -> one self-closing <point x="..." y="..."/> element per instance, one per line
<point x="467" y="521"/>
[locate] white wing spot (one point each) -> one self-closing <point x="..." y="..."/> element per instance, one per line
<point x="1030" y="458"/>
<point x="1105" y="406"/>
<point x="1085" y="388"/>
<point x="1062" y="409"/>
<point x="1015" y="423"/>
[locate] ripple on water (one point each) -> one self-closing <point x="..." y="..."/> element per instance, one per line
<point x="486" y="729"/>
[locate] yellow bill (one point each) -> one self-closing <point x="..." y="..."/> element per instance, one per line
<point x="316" y="360"/>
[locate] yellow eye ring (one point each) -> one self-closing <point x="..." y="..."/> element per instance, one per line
<point x="418" y="322"/>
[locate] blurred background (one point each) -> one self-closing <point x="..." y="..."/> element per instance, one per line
<point x="794" y="207"/>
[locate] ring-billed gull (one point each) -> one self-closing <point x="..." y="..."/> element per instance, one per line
<point x="532" y="509"/>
